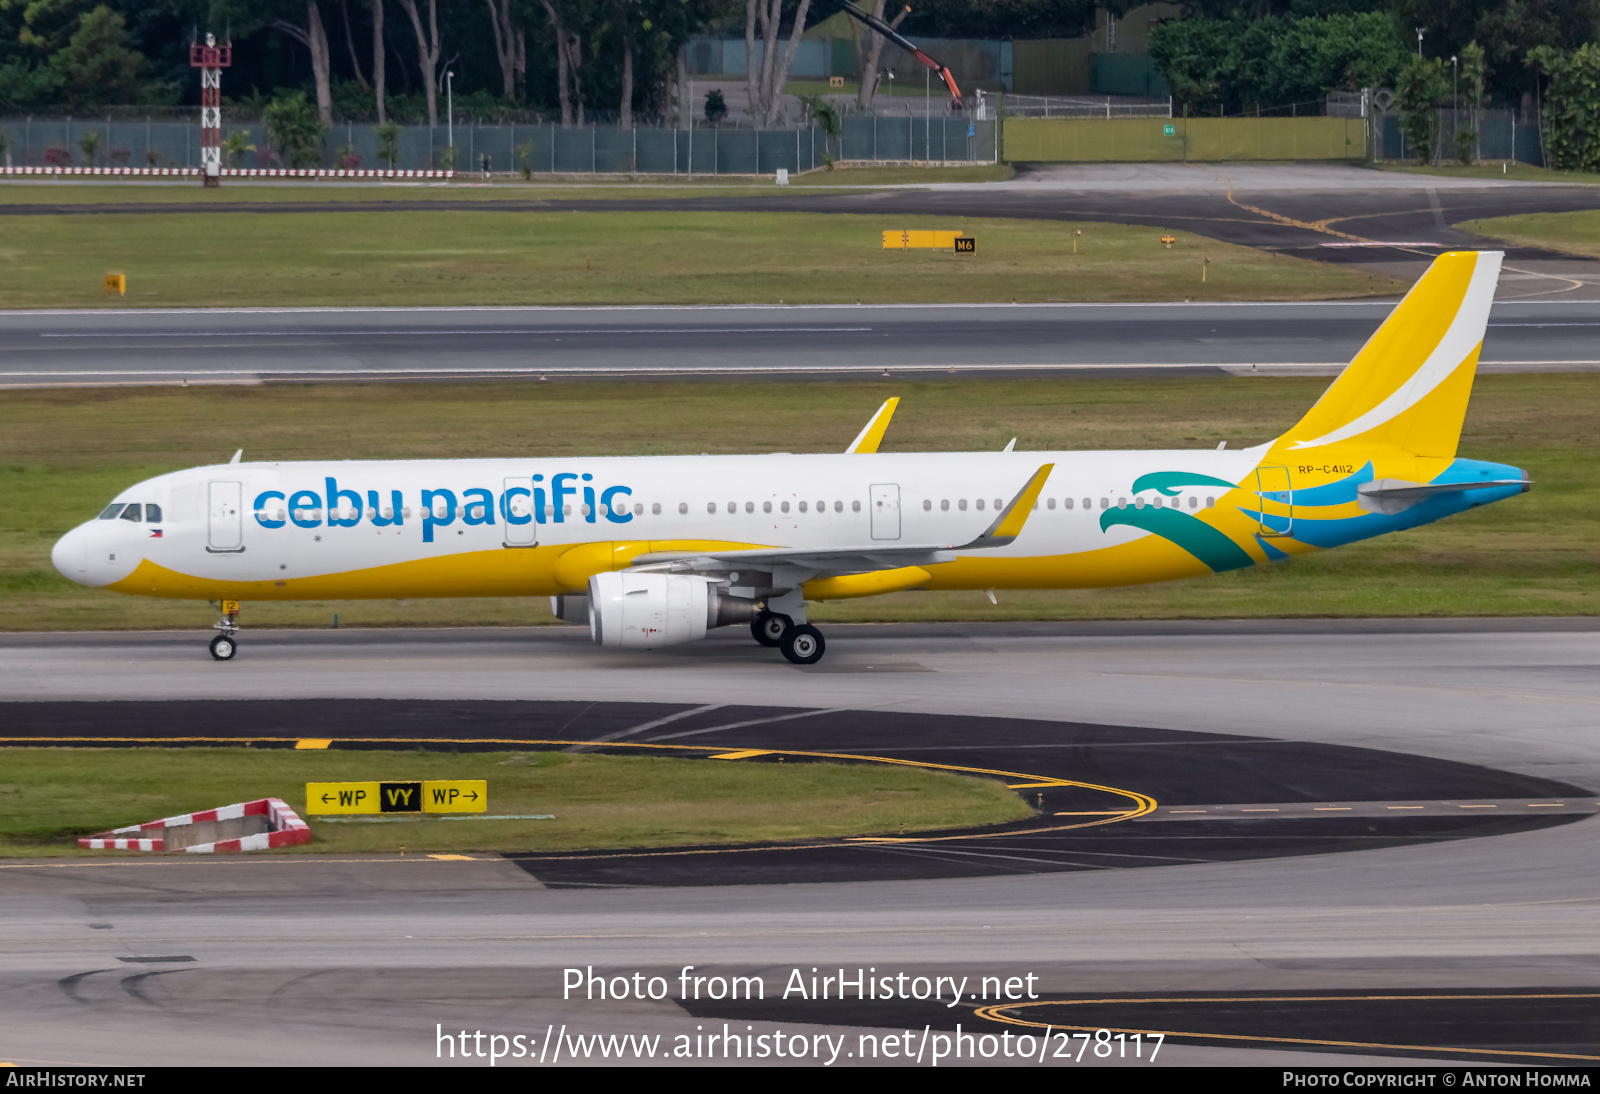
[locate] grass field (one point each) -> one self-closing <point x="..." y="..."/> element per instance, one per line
<point x="88" y="191"/>
<point x="64" y="453"/>
<point x="51" y="796"/>
<point x="577" y="257"/>
<point x="1576" y="233"/>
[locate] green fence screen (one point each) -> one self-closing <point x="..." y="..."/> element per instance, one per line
<point x="1177" y="140"/>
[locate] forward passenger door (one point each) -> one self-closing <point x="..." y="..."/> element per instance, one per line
<point x="226" y="518"/>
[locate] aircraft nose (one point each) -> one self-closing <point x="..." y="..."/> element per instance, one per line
<point x="70" y="555"/>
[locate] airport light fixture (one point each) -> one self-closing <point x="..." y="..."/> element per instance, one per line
<point x="1455" y="98"/>
<point x="450" y="114"/>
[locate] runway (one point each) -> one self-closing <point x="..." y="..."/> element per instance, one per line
<point x="1546" y="318"/>
<point x="357" y="961"/>
<point x="265" y="345"/>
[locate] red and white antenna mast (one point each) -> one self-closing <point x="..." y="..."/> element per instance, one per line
<point x="210" y="59"/>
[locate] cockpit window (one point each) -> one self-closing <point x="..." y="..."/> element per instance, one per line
<point x="131" y="512"/>
<point x="111" y="511"/>
<point x="152" y="513"/>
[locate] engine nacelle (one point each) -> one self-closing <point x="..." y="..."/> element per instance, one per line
<point x="645" y="611"/>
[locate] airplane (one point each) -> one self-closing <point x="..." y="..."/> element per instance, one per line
<point x="653" y="551"/>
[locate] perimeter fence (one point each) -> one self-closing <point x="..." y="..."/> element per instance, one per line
<point x="531" y="149"/>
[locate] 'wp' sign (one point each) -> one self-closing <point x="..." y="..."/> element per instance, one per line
<point x="429" y="796"/>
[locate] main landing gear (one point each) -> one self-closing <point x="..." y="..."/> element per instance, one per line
<point x="802" y="644"/>
<point x="226" y="644"/>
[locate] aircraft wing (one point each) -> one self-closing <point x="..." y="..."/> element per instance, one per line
<point x="855" y="559"/>
<point x="833" y="560"/>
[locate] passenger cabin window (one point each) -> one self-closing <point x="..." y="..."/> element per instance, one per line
<point x="749" y="507"/>
<point x="711" y="507"/>
<point x="638" y="509"/>
<point x="944" y="505"/>
<point x="1066" y="503"/>
<point x="1051" y="504"/>
<point x="733" y="507"/>
<point x="802" y="507"/>
<point x="131" y="513"/>
<point x="1194" y="502"/>
<point x="1211" y="503"/>
<point x="855" y="507"/>
<point x="962" y="505"/>
<point x="655" y="509"/>
<point x="1105" y="503"/>
<point x="784" y="506"/>
<point x="979" y="504"/>
<point x="838" y="506"/>
<point x="766" y="507"/>
<point x="927" y="505"/>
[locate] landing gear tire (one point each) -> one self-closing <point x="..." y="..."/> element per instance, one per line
<point x="768" y="628"/>
<point x="223" y="647"/>
<point x="803" y="645"/>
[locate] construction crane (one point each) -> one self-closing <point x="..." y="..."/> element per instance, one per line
<point x="873" y="23"/>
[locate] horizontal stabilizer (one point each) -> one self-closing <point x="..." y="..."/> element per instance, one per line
<point x="1390" y="496"/>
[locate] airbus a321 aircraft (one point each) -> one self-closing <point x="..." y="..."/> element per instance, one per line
<point x="654" y="551"/>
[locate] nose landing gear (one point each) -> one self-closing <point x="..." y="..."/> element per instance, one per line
<point x="226" y="644"/>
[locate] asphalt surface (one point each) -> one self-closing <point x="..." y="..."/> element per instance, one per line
<point x="247" y="346"/>
<point x="1547" y="317"/>
<point x="1082" y="779"/>
<point x="1256" y="957"/>
<point x="1281" y="207"/>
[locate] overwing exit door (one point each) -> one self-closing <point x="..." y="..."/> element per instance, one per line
<point x="885" y="511"/>
<point x="517" y="522"/>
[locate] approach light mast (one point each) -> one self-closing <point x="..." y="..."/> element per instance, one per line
<point x="210" y="59"/>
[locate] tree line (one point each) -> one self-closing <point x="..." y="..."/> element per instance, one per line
<point x="579" y="61"/>
<point x="1280" y="56"/>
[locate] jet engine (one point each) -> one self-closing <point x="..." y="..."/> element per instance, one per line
<point x="645" y="610"/>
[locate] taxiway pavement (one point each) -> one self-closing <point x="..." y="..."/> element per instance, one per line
<point x="356" y="960"/>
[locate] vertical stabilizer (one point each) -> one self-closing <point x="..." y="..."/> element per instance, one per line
<point x="1409" y="385"/>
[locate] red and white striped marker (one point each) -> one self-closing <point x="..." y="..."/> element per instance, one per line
<point x="284" y="829"/>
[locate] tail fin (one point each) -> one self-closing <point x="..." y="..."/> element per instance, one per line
<point x="1409" y="385"/>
